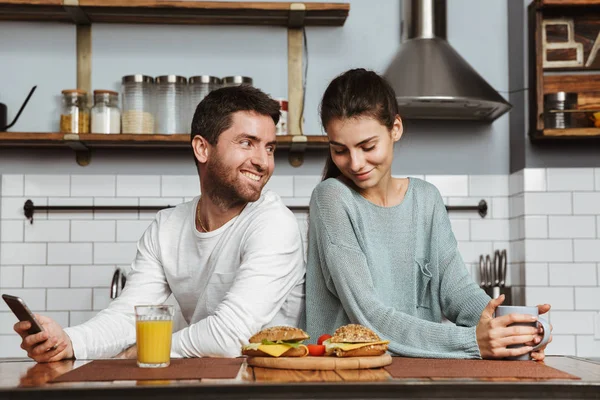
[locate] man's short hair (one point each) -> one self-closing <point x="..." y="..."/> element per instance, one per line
<point x="213" y="114"/>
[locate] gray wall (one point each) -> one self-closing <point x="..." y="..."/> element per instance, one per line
<point x="44" y="54"/>
<point x="523" y="152"/>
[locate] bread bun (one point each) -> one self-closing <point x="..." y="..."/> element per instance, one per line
<point x="354" y="333"/>
<point x="372" y="350"/>
<point x="292" y="352"/>
<point x="275" y="333"/>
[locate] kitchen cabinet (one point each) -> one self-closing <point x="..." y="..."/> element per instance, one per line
<point x="84" y="13"/>
<point x="564" y="39"/>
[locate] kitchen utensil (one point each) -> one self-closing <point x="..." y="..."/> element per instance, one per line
<point x="496" y="277"/>
<point x="482" y="277"/>
<point x="4" y="113"/>
<point x="497" y="268"/>
<point x="503" y="262"/>
<point x="488" y="270"/>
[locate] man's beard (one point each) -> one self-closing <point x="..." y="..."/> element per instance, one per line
<point x="224" y="190"/>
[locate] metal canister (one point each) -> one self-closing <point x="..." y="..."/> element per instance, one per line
<point x="236" y="80"/>
<point x="554" y="104"/>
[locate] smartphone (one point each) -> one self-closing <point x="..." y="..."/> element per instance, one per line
<point x="20" y="309"/>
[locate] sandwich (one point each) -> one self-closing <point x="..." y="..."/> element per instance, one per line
<point x="277" y="341"/>
<point x="355" y="341"/>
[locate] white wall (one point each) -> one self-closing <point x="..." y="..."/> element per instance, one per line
<point x="555" y="251"/>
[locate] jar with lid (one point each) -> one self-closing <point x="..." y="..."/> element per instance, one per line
<point x="105" y="114"/>
<point x="199" y="87"/>
<point x="171" y="105"/>
<point x="138" y="108"/>
<point x="554" y="106"/>
<point x="74" y="117"/>
<point x="236" y="80"/>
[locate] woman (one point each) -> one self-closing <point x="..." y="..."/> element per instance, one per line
<point x="381" y="250"/>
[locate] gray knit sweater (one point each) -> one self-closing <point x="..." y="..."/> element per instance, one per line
<point x="395" y="269"/>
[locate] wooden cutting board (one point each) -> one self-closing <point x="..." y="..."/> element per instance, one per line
<point x="321" y="363"/>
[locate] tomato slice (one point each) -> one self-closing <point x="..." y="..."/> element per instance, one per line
<point x="323" y="338"/>
<point x="316" y="350"/>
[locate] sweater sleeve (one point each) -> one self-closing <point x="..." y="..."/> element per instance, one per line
<point x="272" y="265"/>
<point x="113" y="329"/>
<point x="461" y="300"/>
<point x="345" y="265"/>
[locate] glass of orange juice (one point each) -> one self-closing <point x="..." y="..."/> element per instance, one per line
<point x="154" y="328"/>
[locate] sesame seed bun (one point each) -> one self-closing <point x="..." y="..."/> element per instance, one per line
<point x="275" y="333"/>
<point x="354" y="333"/>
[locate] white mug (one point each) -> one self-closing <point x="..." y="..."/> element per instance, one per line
<point x="505" y="310"/>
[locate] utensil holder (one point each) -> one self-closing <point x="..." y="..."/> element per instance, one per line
<point x="506" y="291"/>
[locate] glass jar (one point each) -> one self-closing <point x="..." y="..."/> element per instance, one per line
<point x="138" y="108"/>
<point x="74" y="116"/>
<point x="199" y="87"/>
<point x="236" y="80"/>
<point x="171" y="105"/>
<point x="105" y="114"/>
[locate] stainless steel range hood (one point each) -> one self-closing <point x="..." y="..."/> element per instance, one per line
<point x="431" y="80"/>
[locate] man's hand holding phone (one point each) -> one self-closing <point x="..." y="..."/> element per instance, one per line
<point x="51" y="344"/>
<point x="44" y="339"/>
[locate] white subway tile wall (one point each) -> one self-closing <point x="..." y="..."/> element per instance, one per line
<point x="560" y="238"/>
<point x="62" y="264"/>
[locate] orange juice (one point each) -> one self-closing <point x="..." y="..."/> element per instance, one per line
<point x="154" y="342"/>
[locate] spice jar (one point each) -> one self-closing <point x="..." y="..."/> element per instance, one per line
<point x="282" y="127"/>
<point x="199" y="87"/>
<point x="137" y="110"/>
<point x="74" y="117"/>
<point x="236" y="80"/>
<point x="171" y="105"/>
<point x="105" y="114"/>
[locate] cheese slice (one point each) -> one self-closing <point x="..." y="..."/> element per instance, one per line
<point x="350" y="346"/>
<point x="274" y="350"/>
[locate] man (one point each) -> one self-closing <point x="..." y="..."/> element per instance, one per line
<point x="232" y="257"/>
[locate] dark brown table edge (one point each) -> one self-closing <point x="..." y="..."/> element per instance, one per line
<point x="394" y="389"/>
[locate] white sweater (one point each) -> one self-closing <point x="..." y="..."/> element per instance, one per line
<point x="229" y="283"/>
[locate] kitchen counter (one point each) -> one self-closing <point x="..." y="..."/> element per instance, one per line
<point x="24" y="379"/>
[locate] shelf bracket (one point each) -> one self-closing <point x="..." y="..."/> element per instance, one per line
<point x="83" y="155"/>
<point x="78" y="16"/>
<point x="295" y="84"/>
<point x="297" y="14"/>
<point x="297" y="149"/>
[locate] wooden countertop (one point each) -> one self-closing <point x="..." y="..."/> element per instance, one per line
<point x="24" y="379"/>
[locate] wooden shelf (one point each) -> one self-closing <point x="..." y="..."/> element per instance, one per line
<point x="175" y="12"/>
<point x="562" y="36"/>
<point x="84" y="13"/>
<point x="571" y="133"/>
<point x="91" y="141"/>
<point x="567" y="3"/>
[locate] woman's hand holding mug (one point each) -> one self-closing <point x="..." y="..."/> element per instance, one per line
<point x="514" y="333"/>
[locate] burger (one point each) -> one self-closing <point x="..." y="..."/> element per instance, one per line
<point x="355" y="341"/>
<point x="277" y="341"/>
